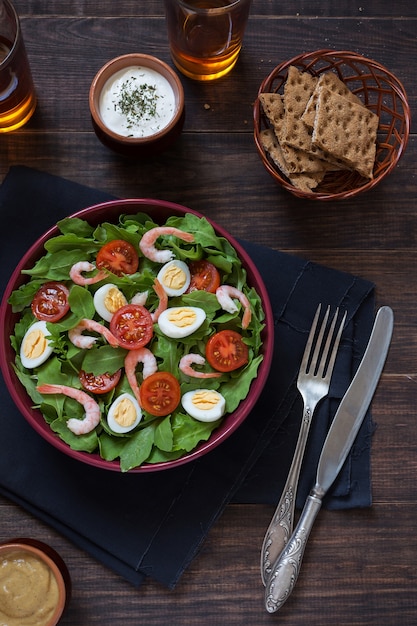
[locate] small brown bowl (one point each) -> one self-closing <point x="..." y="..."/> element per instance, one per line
<point x="158" y="139"/>
<point x="379" y="90"/>
<point x="21" y="549"/>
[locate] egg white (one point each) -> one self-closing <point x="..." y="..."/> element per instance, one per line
<point x="204" y="415"/>
<point x="100" y="301"/>
<point x="111" y="420"/>
<point x="29" y="362"/>
<point x="168" y="267"/>
<point x="171" y="329"/>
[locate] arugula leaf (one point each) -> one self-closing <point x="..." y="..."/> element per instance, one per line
<point x="76" y="226"/>
<point x="54" y="266"/>
<point x="164" y="436"/>
<point x="84" y="443"/>
<point x="103" y="360"/>
<point x="188" y="432"/>
<point x="137" y="449"/>
<point x="81" y="302"/>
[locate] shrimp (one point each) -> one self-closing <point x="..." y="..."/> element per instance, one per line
<point x="85" y="342"/>
<point x="140" y="298"/>
<point x="185" y="366"/>
<point x="163" y="300"/>
<point x="147" y="358"/>
<point x="224" y="295"/>
<point x="92" y="410"/>
<point x="85" y="266"/>
<point x="147" y="242"/>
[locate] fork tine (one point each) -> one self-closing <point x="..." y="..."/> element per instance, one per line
<point x="332" y="359"/>
<point x="307" y="350"/>
<point x="326" y="348"/>
<point x="319" y="342"/>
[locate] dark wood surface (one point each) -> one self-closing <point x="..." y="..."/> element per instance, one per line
<point x="360" y="566"/>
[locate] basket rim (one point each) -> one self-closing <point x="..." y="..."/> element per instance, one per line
<point x="314" y="56"/>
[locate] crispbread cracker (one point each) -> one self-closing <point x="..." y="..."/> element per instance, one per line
<point x="304" y="182"/>
<point x="296" y="160"/>
<point x="307" y="182"/>
<point x="298" y="89"/>
<point x="273" y="107"/>
<point x="270" y="143"/>
<point x="333" y="83"/>
<point x="346" y="131"/>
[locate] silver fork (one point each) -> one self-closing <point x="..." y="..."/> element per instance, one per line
<point x="313" y="384"/>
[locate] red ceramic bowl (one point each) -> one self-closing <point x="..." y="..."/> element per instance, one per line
<point x="110" y="211"/>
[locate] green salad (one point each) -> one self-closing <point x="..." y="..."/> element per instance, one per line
<point x="77" y="363"/>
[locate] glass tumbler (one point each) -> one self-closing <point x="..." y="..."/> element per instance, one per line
<point x="205" y="36"/>
<point x="17" y="92"/>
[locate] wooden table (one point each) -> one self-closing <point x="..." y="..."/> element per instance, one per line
<point x="360" y="566"/>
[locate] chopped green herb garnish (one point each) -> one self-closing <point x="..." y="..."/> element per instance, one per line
<point x="137" y="102"/>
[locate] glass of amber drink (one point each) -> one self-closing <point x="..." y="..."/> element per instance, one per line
<point x="206" y="36"/>
<point x="17" y="92"/>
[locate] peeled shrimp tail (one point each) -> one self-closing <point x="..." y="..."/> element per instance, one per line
<point x="147" y="243"/>
<point x="148" y="360"/>
<point x="198" y="359"/>
<point x="85" y="342"/>
<point x="84" y="266"/>
<point x="92" y="410"/>
<point x="140" y="298"/>
<point x="224" y="295"/>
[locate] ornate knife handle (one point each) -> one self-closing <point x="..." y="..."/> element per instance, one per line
<point x="281" y="526"/>
<point x="286" y="568"/>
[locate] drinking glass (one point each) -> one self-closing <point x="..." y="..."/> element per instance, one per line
<point x="17" y="92"/>
<point x="206" y="36"/>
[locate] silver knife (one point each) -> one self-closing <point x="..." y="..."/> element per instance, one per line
<point x="339" y="440"/>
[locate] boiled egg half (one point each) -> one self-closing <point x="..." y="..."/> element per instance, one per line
<point x="124" y="414"/>
<point x="180" y="321"/>
<point x="107" y="300"/>
<point x="35" y="348"/>
<point x="174" y="277"/>
<point x="205" y="405"/>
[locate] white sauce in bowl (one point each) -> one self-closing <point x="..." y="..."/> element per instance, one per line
<point x="137" y="102"/>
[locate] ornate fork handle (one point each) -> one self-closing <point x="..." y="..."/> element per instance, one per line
<point x="286" y="568"/>
<point x="281" y="525"/>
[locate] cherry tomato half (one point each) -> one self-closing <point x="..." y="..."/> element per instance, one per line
<point x="160" y="394"/>
<point x="132" y="326"/>
<point x="99" y="384"/>
<point x="204" y="276"/>
<point x="119" y="257"/>
<point x="50" y="303"/>
<point x="226" y="351"/>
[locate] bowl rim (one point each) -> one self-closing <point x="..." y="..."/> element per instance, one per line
<point x="126" y="60"/>
<point x="7" y="318"/>
<point x="314" y="56"/>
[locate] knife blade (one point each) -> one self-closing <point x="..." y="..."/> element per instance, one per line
<point x="339" y="440"/>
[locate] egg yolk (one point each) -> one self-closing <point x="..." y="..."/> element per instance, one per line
<point x="125" y="413"/>
<point x="114" y="300"/>
<point x="205" y="400"/>
<point x="182" y="317"/>
<point x="174" y="277"/>
<point x="35" y="344"/>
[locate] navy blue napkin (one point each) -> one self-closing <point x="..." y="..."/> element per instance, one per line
<point x="153" y="524"/>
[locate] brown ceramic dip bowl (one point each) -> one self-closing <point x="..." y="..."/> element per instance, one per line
<point x="137" y="105"/>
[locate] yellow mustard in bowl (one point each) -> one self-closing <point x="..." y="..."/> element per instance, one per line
<point x="30" y="594"/>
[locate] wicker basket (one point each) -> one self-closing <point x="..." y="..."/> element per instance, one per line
<point x="378" y="89"/>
